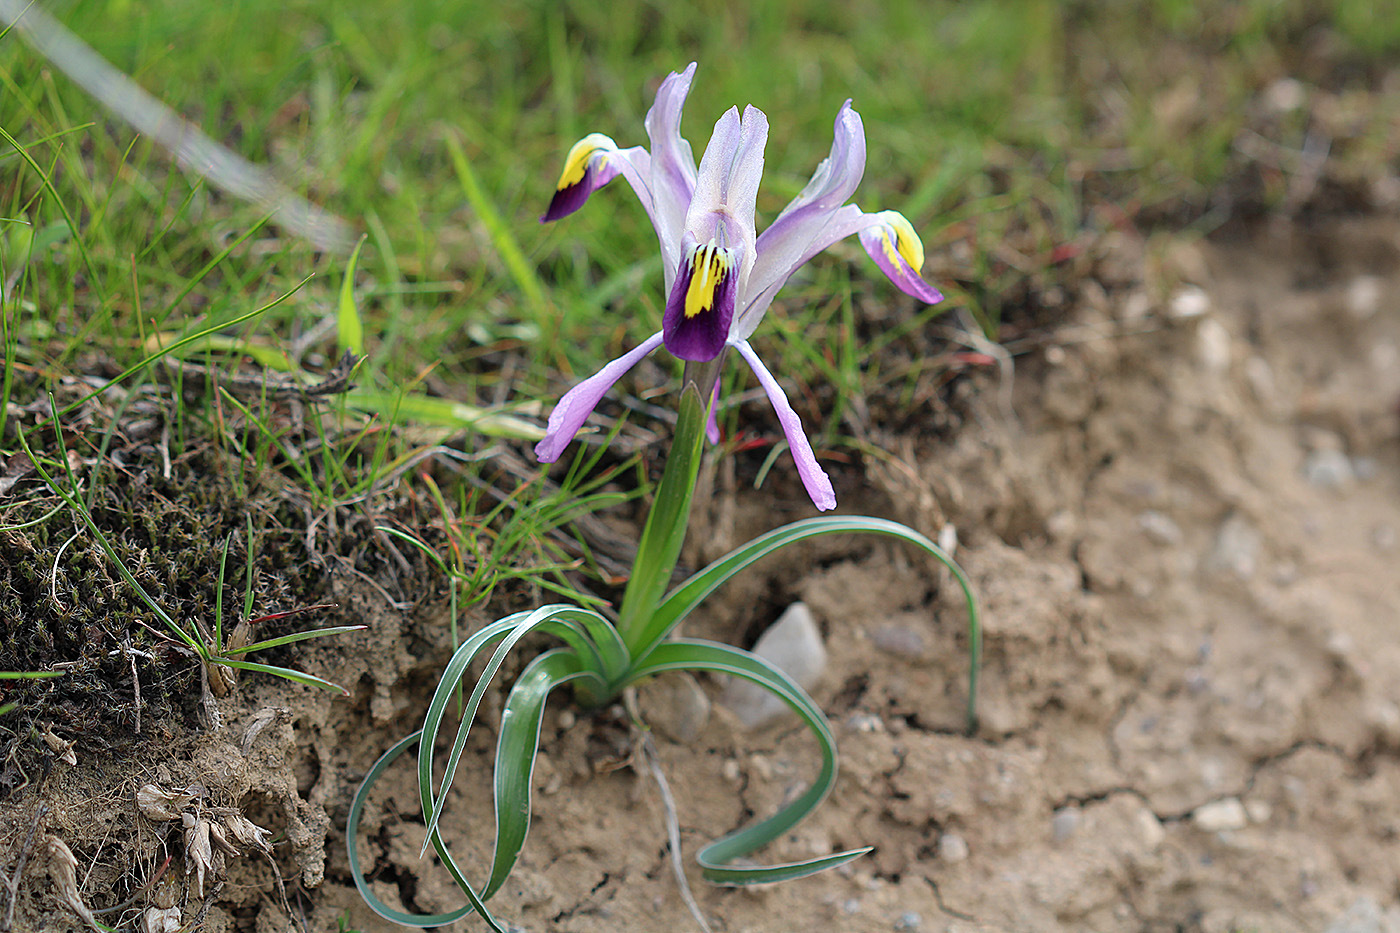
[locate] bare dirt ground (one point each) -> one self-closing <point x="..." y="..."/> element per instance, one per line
<point x="1185" y="542"/>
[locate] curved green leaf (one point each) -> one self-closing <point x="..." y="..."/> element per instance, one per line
<point x="352" y="843"/>
<point x="577" y="627"/>
<point x="693" y="654"/>
<point x="516" y="749"/>
<point x="680" y="601"/>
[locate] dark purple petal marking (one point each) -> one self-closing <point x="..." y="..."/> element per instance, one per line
<point x="701" y="305"/>
<point x="587" y="168"/>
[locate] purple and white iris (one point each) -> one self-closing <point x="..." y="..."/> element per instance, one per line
<point x="721" y="276"/>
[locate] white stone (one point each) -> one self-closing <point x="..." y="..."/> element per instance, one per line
<point x="793" y="644"/>
<point x="1190" y="301"/>
<point x="1220" y="816"/>
<point x="1364" y="296"/>
<point x="953" y="848"/>
<point x="1213" y="346"/>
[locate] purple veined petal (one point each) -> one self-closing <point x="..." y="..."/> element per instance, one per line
<point x="814" y="478"/>
<point x="874" y="230"/>
<point x="896" y="248"/>
<point x="672" y="171"/>
<point x="730" y="171"/>
<point x="578" y="403"/>
<point x="701" y="303"/>
<point x="783" y="247"/>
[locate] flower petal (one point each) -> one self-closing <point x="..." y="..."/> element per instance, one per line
<point x="672" y="170"/>
<point x="783" y="247"/>
<point x="891" y="241"/>
<point x="701" y="305"/>
<point x="814" y="478"/>
<point x="587" y="167"/>
<point x="578" y="403"/>
<point x="730" y="171"/>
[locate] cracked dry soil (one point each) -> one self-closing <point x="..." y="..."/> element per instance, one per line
<point x="1185" y="545"/>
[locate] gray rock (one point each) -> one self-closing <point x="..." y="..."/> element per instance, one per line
<point x="793" y="644"/>
<point x="1236" y="548"/>
<point x="676" y="707"/>
<point x="1328" y="468"/>
<point x="1064" y="822"/>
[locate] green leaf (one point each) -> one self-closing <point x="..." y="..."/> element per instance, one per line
<point x="350" y="330"/>
<point x="695" y="654"/>
<point x="516" y="749"/>
<point x="680" y="601"/>
<point x="561" y="620"/>
<point x="352" y="844"/>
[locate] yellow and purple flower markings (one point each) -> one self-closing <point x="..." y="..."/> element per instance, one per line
<point x="721" y="276"/>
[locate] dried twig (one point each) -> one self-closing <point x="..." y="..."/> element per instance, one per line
<point x="12" y="883"/>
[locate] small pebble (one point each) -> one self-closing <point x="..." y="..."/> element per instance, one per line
<point x="1236" y="548"/>
<point x="902" y="641"/>
<point x="908" y="922"/>
<point x="1384" y="537"/>
<point x="1150" y="831"/>
<point x="1364" y="296"/>
<point x="1064" y="822"/>
<point x="1285" y="95"/>
<point x="1213" y="346"/>
<point x="1159" y="527"/>
<point x="1328" y="469"/>
<point x="1220" y="816"/>
<point x="952" y="848"/>
<point x="1190" y="301"/>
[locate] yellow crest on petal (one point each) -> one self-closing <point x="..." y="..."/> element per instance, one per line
<point x="901" y="240"/>
<point x="709" y="266"/>
<point x="576" y="162"/>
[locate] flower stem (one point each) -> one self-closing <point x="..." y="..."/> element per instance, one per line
<point x="661" y="540"/>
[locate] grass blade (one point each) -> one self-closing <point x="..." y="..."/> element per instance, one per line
<point x="350" y="330"/>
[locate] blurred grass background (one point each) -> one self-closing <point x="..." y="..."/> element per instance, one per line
<point x="991" y="123"/>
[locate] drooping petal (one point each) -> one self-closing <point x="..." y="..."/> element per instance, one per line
<point x="588" y="167"/>
<point x="879" y="236"/>
<point x="701" y="304"/>
<point x="814" y="478"/>
<point x="578" y="403"/>
<point x="783" y="247"/>
<point x="672" y="170"/>
<point x="891" y="241"/>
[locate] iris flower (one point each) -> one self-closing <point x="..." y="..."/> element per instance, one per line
<point x="721" y="275"/>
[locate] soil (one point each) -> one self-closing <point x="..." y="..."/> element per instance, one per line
<point x="1184" y="536"/>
